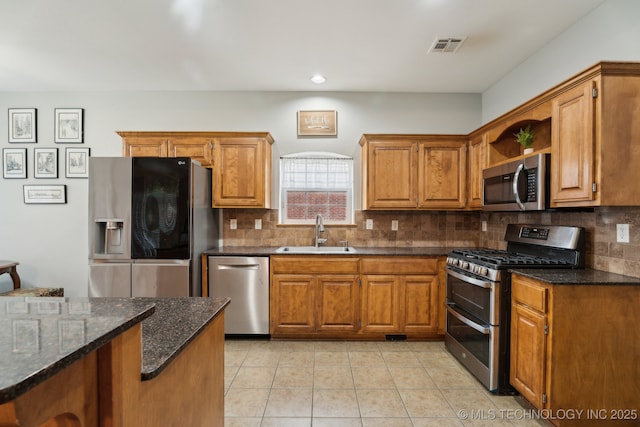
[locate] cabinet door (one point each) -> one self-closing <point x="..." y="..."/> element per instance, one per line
<point x="391" y="175"/>
<point x="477" y="163"/>
<point x="572" y="146"/>
<point x="420" y="313"/>
<point x="337" y="303"/>
<point x="380" y="303"/>
<point x="197" y="148"/>
<point x="292" y="303"/>
<point x="241" y="173"/>
<point x="528" y="353"/>
<point x="144" y="147"/>
<point x="442" y="175"/>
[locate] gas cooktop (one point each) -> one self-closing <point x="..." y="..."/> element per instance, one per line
<point x="534" y="246"/>
<point x="499" y="258"/>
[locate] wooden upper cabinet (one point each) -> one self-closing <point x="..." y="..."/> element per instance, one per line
<point x="595" y="125"/>
<point x="389" y="174"/>
<point x="572" y="166"/>
<point x="196" y="147"/>
<point x="135" y="145"/>
<point x="442" y="172"/>
<point x="477" y="163"/>
<point x="242" y="172"/>
<point x="413" y="171"/>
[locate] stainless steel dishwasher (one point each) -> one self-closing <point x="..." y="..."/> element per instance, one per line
<point x="246" y="281"/>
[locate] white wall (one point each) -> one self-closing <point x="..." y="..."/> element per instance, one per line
<point x="50" y="241"/>
<point x="610" y="32"/>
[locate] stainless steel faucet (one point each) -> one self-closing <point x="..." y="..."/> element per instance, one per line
<point x="319" y="229"/>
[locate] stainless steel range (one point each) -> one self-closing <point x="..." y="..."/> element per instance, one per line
<point x="479" y="294"/>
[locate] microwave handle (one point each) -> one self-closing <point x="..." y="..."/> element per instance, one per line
<point x="516" y="177"/>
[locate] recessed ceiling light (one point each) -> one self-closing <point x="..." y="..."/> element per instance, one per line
<point x="318" y="79"/>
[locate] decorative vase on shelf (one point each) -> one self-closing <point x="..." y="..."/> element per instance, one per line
<point x="528" y="150"/>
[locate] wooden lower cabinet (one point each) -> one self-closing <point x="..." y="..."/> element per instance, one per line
<point x="400" y="296"/>
<point x="355" y="298"/>
<point x="576" y="347"/>
<point x="313" y="295"/>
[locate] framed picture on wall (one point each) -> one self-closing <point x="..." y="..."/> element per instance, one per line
<point x="68" y="125"/>
<point x="45" y="162"/>
<point x="77" y="163"/>
<point x="47" y="194"/>
<point x="14" y="162"/>
<point x="22" y="125"/>
<point x="317" y="123"/>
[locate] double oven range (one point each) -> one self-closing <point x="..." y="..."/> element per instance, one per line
<point x="478" y="300"/>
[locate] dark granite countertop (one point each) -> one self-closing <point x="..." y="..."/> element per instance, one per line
<point x="360" y="251"/>
<point x="176" y="322"/>
<point x="586" y="276"/>
<point x="41" y="336"/>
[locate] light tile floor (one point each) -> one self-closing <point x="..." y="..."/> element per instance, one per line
<point x="366" y="384"/>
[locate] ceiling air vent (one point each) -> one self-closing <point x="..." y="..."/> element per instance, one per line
<point x="446" y="44"/>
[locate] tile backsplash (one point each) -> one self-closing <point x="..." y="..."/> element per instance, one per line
<point x="416" y="229"/>
<point x="449" y="229"/>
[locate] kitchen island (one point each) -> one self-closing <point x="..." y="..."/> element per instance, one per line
<point x="112" y="361"/>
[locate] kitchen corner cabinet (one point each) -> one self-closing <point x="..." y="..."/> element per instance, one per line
<point x="240" y="161"/>
<point x="477" y="163"/>
<point x="413" y="171"/>
<point x="400" y="296"/>
<point x="595" y="123"/>
<point x="313" y="295"/>
<point x="576" y="346"/>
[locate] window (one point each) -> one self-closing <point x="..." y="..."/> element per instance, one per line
<point x="316" y="183"/>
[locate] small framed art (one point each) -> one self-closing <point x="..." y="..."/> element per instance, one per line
<point x="68" y="125"/>
<point x="317" y="123"/>
<point x="45" y="162"/>
<point x="46" y="194"/>
<point x="77" y="164"/>
<point x="22" y="125"/>
<point x="14" y="162"/>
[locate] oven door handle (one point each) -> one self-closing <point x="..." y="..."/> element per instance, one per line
<point x="469" y="279"/>
<point x="468" y="322"/>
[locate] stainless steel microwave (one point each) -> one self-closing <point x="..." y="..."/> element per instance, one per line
<point x="521" y="185"/>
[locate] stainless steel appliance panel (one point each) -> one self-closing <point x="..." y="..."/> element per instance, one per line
<point x="110" y="208"/>
<point x="246" y="281"/>
<point x="166" y="278"/>
<point x="109" y="279"/>
<point x="204" y="224"/>
<point x="521" y="185"/>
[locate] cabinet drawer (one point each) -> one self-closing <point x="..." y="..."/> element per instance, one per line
<point x="399" y="265"/>
<point x="530" y="293"/>
<point x="313" y="265"/>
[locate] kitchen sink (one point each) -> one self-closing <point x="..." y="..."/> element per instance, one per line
<point x="315" y="250"/>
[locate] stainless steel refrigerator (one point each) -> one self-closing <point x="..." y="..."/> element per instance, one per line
<point x="149" y="221"/>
